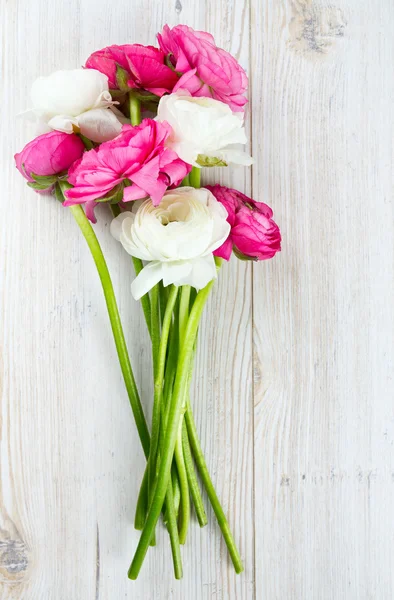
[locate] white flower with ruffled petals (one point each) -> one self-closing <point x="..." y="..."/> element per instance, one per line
<point x="76" y="101"/>
<point x="205" y="131"/>
<point x="177" y="238"/>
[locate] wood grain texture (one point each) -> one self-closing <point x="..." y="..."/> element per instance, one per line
<point x="301" y="452"/>
<point x="323" y="311"/>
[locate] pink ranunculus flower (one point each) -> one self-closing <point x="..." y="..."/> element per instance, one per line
<point x="206" y="69"/>
<point x="144" y="68"/>
<point x="136" y="159"/>
<point x="254" y="234"/>
<point x="49" y="154"/>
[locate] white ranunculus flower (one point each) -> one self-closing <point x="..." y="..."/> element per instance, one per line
<point x="205" y="131"/>
<point x="76" y="100"/>
<point x="177" y="238"/>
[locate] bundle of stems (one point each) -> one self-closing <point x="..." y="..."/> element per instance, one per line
<point x="175" y="449"/>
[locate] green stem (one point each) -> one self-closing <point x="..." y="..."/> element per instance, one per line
<point x="155" y="335"/>
<point x="185" y="181"/>
<point x="172" y="359"/>
<point x="115" y="210"/>
<point x="173" y="531"/>
<point x="174" y="415"/>
<point x="135" y="118"/>
<point x="192" y="479"/>
<point x="116" y="324"/>
<point x="142" y="503"/>
<point x="183" y="312"/>
<point x="145" y="300"/>
<point x="159" y="350"/>
<point x="135" y="109"/>
<point x="164" y="339"/>
<point x="171" y="512"/>
<point x="182" y="445"/>
<point x="86" y="142"/>
<point x="183" y="481"/>
<point x="176" y="487"/>
<point x="213" y="498"/>
<point x="163" y="300"/>
<point x="195" y="177"/>
<point x="170" y="369"/>
<point x="174" y="472"/>
<point x="159" y="357"/>
<point x="155" y="327"/>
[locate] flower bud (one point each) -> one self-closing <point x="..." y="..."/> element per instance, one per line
<point x="254" y="234"/>
<point x="42" y="159"/>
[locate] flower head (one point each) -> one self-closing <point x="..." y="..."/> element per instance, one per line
<point x="134" y="66"/>
<point x="48" y="154"/>
<point x="76" y="101"/>
<point x="204" y="130"/>
<point x="206" y="69"/>
<point x="177" y="237"/>
<point x="137" y="163"/>
<point x="254" y="234"/>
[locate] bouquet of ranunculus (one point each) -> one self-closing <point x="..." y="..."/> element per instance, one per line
<point x="133" y="129"/>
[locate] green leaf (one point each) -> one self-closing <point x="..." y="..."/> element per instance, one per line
<point x="210" y="161"/>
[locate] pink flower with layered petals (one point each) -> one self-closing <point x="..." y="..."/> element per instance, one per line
<point x="49" y="154"/>
<point x="254" y="234"/>
<point x="206" y="69"/>
<point x="144" y="66"/>
<point x="136" y="158"/>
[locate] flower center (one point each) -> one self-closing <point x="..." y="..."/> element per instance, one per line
<point x="174" y="212"/>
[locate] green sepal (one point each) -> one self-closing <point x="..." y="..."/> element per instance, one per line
<point x="39" y="187"/>
<point x="117" y="94"/>
<point x="210" y="161"/>
<point x="114" y="196"/>
<point x="89" y="145"/>
<point x="46" y="180"/>
<point x="168" y="61"/>
<point x="58" y="194"/>
<point x="122" y="78"/>
<point x="242" y="256"/>
<point x="150" y="107"/>
<point x="64" y="185"/>
<point x="145" y="97"/>
<point x="169" y="64"/>
<point x="60" y="187"/>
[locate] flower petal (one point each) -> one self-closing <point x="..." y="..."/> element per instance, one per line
<point x="63" y="123"/>
<point x="68" y="92"/>
<point x="116" y="224"/>
<point x="99" y="125"/>
<point x="146" y="279"/>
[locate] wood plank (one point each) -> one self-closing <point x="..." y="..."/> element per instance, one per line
<point x="323" y="316"/>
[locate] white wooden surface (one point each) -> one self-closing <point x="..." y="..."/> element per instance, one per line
<point x="294" y="391"/>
